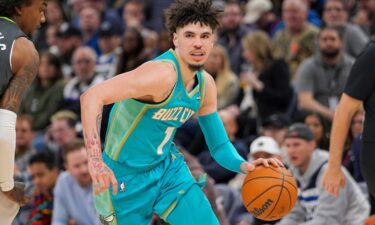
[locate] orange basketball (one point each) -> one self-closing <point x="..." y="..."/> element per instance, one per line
<point x="269" y="193"/>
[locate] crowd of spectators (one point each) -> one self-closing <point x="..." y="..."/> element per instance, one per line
<point x="280" y="67"/>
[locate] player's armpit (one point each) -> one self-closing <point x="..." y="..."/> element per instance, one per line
<point x="25" y="65"/>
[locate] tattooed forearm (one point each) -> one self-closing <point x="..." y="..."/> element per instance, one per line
<point x="19" y="84"/>
<point x="98" y="122"/>
<point x="98" y="164"/>
<point x="93" y="145"/>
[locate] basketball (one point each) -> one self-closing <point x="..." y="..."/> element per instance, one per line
<point x="269" y="193"/>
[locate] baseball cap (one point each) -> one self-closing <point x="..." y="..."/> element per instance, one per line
<point x="108" y="29"/>
<point x="277" y="120"/>
<point x="66" y="30"/>
<point x="265" y="144"/>
<point x="299" y="130"/>
<point x="255" y="9"/>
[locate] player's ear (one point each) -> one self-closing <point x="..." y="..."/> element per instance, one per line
<point x="18" y="11"/>
<point x="175" y="43"/>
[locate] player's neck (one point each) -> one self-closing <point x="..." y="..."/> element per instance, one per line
<point x="186" y="73"/>
<point x="20" y="23"/>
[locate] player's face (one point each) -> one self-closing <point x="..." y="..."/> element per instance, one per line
<point x="299" y="152"/>
<point x="193" y="43"/>
<point x="77" y="165"/>
<point x="32" y="16"/>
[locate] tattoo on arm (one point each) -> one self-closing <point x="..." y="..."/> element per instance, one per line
<point x="18" y="85"/>
<point x="93" y="140"/>
<point x="93" y="145"/>
<point x="99" y="165"/>
<point x="98" y="122"/>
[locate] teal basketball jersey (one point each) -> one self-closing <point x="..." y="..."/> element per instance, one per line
<point x="140" y="134"/>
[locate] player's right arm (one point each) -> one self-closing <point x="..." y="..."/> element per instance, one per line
<point x="24" y="64"/>
<point x="333" y="177"/>
<point x="152" y="81"/>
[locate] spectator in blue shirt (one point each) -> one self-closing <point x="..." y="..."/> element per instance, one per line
<point x="73" y="199"/>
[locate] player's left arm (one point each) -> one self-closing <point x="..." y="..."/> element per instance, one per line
<point x="216" y="137"/>
<point x="24" y="64"/>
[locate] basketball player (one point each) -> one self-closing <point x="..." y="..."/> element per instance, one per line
<point x="151" y="102"/>
<point x="359" y="91"/>
<point x="19" y="62"/>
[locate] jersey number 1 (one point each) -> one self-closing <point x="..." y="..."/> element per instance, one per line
<point x="168" y="135"/>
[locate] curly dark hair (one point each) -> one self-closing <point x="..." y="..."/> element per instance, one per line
<point x="183" y="12"/>
<point x="8" y="7"/>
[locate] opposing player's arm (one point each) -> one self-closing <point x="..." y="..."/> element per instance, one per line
<point x="334" y="178"/>
<point x="25" y="64"/>
<point x="152" y="79"/>
<point x="340" y="127"/>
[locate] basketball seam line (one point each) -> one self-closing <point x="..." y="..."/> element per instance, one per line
<point x="279" y="172"/>
<point x="270" y="177"/>
<point x="290" y="199"/>
<point x="278" y="198"/>
<point x="262" y="194"/>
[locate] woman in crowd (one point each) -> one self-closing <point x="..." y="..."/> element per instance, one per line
<point x="133" y="54"/>
<point x="319" y="126"/>
<point x="226" y="81"/>
<point x="268" y="78"/>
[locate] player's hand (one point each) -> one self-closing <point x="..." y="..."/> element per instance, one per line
<point x="102" y="176"/>
<point x="370" y="220"/>
<point x="333" y="180"/>
<point x="17" y="194"/>
<point x="250" y="166"/>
